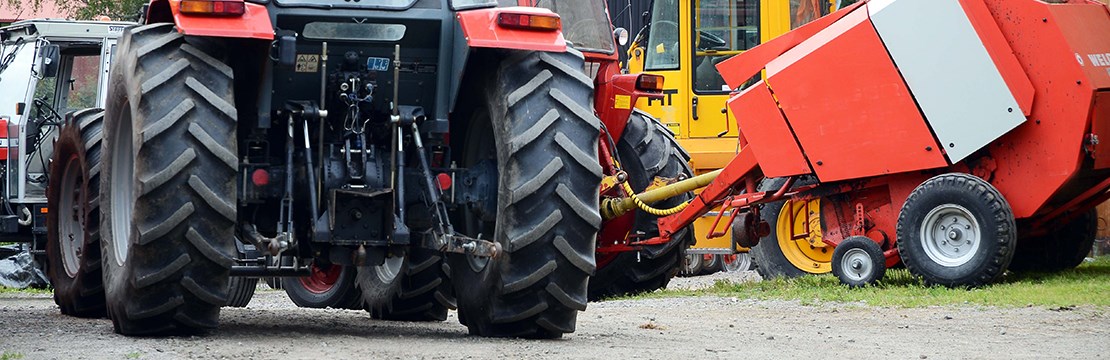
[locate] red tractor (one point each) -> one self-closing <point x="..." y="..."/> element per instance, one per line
<point x="402" y="156"/>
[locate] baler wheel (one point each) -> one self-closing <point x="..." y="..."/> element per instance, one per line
<point x="711" y="264"/>
<point x="1062" y="249"/>
<point x="858" y="261"/>
<point x="73" y="244"/>
<point x="534" y="122"/>
<point x="168" y="185"/>
<point x="647" y="151"/>
<point x="956" y="230"/>
<point x="779" y="254"/>
<point x="410" y="288"/>
<point x="326" y="286"/>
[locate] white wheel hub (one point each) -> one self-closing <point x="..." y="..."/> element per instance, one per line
<point x="950" y="235"/>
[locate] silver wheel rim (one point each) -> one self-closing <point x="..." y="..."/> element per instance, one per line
<point x="388" y="271"/>
<point x="71" y="235"/>
<point x="856" y="265"/>
<point x="950" y="235"/>
<point x="692" y="263"/>
<point x="741" y="262"/>
<point x="121" y="195"/>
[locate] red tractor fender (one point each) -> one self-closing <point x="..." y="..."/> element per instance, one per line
<point x="253" y="24"/>
<point x="481" y="29"/>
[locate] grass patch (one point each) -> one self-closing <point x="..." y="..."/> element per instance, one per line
<point x="8" y="290"/>
<point x="1086" y="285"/>
<point x="10" y="356"/>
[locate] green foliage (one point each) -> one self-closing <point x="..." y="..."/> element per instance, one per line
<point x="1086" y="285"/>
<point x="133" y="355"/>
<point x="46" y="291"/>
<point x="81" y="9"/>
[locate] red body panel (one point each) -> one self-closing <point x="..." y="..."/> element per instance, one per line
<point x="1101" y="129"/>
<point x="254" y="24"/>
<point x="1001" y="53"/>
<point x="481" y="31"/>
<point x="766" y="130"/>
<point x="849" y="107"/>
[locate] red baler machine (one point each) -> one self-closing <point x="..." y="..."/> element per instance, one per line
<point x="960" y="137"/>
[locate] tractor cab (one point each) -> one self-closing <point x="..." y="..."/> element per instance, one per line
<point x="48" y="68"/>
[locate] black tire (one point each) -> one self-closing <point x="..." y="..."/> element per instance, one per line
<point x="273" y="282"/>
<point x="691" y="265"/>
<point x="240" y="290"/>
<point x="647" y="150"/>
<point x="711" y="265"/>
<point x="987" y="242"/>
<point x="546" y="138"/>
<point x="858" y="262"/>
<point x="168" y="191"/>
<point x="1062" y="249"/>
<point x="769" y="253"/>
<point x="419" y="291"/>
<point x="329" y="286"/>
<point x="74" y="191"/>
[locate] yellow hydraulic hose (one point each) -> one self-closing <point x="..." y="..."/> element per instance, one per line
<point x="650" y="210"/>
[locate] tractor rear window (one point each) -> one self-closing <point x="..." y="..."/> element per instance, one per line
<point x="375" y="4"/>
<point x="585" y="23"/>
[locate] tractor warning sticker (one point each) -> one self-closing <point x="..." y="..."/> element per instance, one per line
<point x="308" y="63"/>
<point x="623" y="102"/>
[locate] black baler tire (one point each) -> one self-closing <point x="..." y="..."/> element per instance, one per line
<point x="1064" y="248"/>
<point x="80" y="295"/>
<point x="991" y="211"/>
<point x="173" y="119"/>
<point x="647" y="149"/>
<point x="421" y="292"/>
<point x="875" y="257"/>
<point x="240" y="290"/>
<point x="546" y="137"/>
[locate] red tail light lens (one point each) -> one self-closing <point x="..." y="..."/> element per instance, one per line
<point x="529" y="21"/>
<point x="214" y="7"/>
<point x="648" y="82"/>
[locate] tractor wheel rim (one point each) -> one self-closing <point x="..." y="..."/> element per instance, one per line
<point x="856" y="265"/>
<point x="121" y="189"/>
<point x="71" y="216"/>
<point x="738" y="262"/>
<point x="950" y="235"/>
<point x="321" y="279"/>
<point x="388" y="270"/>
<point x="808" y="254"/>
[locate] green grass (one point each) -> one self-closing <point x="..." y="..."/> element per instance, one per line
<point x="10" y="356"/>
<point x="8" y="290"/>
<point x="133" y="355"/>
<point x="1088" y="284"/>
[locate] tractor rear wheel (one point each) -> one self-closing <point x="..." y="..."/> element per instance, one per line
<point x="168" y="183"/>
<point x="647" y="150"/>
<point x="73" y="244"/>
<point x="539" y="129"/>
<point x="409" y="288"/>
<point x="956" y="230"/>
<point x="326" y="286"/>
<point x="780" y="254"/>
<point x="1062" y="249"/>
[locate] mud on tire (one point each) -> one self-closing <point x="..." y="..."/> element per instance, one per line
<point x="647" y="150"/>
<point x="73" y="244"/>
<point x="539" y="116"/>
<point x="168" y="189"/>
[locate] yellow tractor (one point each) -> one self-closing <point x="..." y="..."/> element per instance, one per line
<point x="682" y="42"/>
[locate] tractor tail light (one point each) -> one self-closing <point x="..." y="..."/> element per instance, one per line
<point x="648" y="82"/>
<point x="529" y="21"/>
<point x="214" y="7"/>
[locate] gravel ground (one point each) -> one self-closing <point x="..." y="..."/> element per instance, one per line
<point x="704" y="327"/>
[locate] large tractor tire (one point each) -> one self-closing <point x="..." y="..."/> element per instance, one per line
<point x="1062" y="249"/>
<point x="778" y="254"/>
<point x="326" y="286"/>
<point x="647" y="151"/>
<point x="956" y="230"/>
<point x="410" y="288"/>
<point x="538" y="128"/>
<point x="73" y="219"/>
<point x="168" y="183"/>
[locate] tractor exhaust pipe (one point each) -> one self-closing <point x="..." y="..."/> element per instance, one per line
<point x="612" y="208"/>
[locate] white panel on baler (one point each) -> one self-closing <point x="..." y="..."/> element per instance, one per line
<point x="948" y="70"/>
